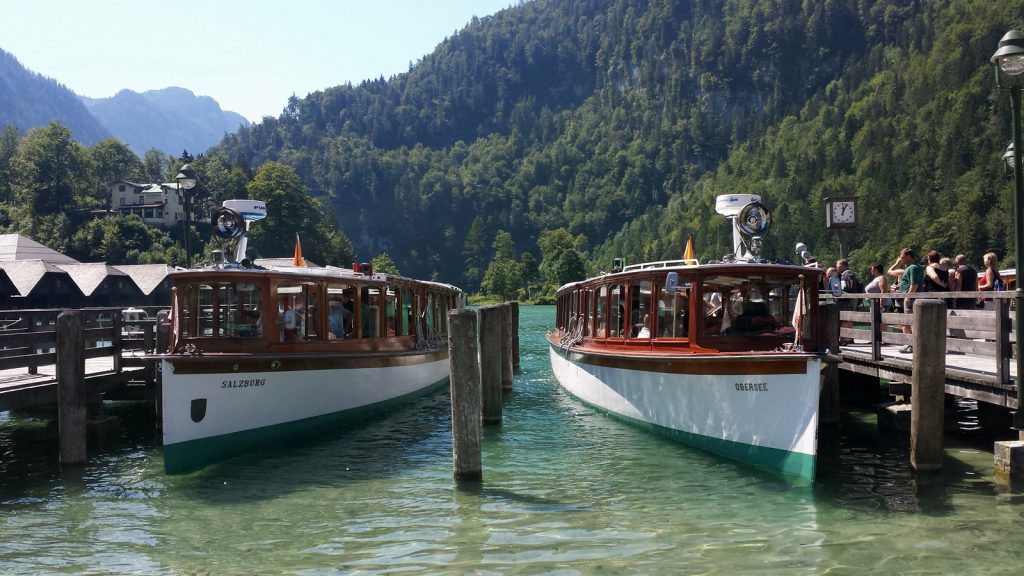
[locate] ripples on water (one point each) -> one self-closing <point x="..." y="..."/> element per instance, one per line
<point x="565" y="491"/>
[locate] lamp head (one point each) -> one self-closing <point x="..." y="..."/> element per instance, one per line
<point x="1009" y="57"/>
<point x="186" y="177"/>
<point x="1009" y="157"/>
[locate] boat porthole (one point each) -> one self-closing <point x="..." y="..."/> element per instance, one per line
<point x="235" y="367"/>
<point x="275" y="364"/>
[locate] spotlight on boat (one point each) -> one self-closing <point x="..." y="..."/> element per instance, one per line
<point x="233" y="220"/>
<point x="751" y="220"/>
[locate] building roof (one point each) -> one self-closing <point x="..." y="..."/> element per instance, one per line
<point x="18" y="247"/>
<point x="88" y="277"/>
<point x="26" y="274"/>
<point x="146" y="276"/>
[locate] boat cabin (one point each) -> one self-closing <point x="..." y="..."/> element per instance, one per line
<point x="732" y="307"/>
<point x="305" y="310"/>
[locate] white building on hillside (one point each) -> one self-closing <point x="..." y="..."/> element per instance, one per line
<point x="157" y="204"/>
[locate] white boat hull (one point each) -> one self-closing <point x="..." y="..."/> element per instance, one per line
<point x="206" y="415"/>
<point x="723" y="404"/>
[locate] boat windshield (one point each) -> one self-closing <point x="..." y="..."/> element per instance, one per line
<point x="222" y="309"/>
<point x="749" y="305"/>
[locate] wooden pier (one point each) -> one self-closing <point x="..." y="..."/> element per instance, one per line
<point x="74" y="359"/>
<point x="978" y="348"/>
<point x="964" y="353"/>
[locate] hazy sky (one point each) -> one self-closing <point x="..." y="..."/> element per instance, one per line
<point x="249" y="55"/>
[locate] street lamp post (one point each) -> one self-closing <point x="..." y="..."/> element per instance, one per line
<point x="186" y="179"/>
<point x="1009" y="65"/>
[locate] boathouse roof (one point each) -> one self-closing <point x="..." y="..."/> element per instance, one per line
<point x="88" y="277"/>
<point x="147" y="277"/>
<point x="26" y="274"/>
<point x="18" y="247"/>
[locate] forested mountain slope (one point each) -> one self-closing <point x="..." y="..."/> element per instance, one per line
<point x="172" y="119"/>
<point x="28" y="100"/>
<point x="620" y="120"/>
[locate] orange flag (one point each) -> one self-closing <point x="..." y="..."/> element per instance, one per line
<point x="688" y="253"/>
<point x="297" y="259"/>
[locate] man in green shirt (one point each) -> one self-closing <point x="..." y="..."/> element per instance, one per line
<point x="911" y="279"/>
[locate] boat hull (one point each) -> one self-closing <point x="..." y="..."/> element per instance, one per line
<point x="761" y="409"/>
<point x="214" y="408"/>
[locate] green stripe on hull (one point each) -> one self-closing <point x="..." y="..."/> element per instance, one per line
<point x="774" y="459"/>
<point x="192" y="454"/>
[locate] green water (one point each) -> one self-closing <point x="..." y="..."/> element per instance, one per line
<point x="566" y="491"/>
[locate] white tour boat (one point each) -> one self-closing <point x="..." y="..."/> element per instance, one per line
<point x="724" y="356"/>
<point x="256" y="354"/>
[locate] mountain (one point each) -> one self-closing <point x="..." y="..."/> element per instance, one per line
<point x="171" y="120"/>
<point x="29" y="100"/>
<point x="619" y="121"/>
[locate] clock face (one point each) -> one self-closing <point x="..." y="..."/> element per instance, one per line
<point x="843" y="212"/>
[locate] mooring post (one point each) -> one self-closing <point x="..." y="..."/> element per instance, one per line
<point x="30" y="326"/>
<point x="876" y="328"/>
<point x="514" y="321"/>
<point x="506" y="346"/>
<point x="828" y="405"/>
<point x="490" y="320"/>
<point x="71" y="396"/>
<point x="465" y="387"/>
<point x="116" y="341"/>
<point x="928" y="385"/>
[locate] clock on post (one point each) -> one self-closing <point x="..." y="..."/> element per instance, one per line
<point x="841" y="212"/>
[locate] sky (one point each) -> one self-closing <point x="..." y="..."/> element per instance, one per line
<point x="249" y="55"/>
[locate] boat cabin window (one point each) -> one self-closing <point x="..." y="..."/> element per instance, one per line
<point x="749" y="306"/>
<point x="617" y="311"/>
<point x="298" y="314"/>
<point x="640" y="308"/>
<point x="369" y="312"/>
<point x="587" y="312"/>
<point x="408" y="312"/>
<point x="601" y="330"/>
<point x="341" y="311"/>
<point x="390" y="310"/>
<point x="672" y="319"/>
<point x="222" y="309"/>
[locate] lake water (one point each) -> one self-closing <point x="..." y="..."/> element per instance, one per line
<point x="566" y="491"/>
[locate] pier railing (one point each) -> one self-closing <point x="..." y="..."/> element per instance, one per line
<point x="981" y="340"/>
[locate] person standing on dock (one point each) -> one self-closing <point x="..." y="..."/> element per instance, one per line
<point x="850" y="285"/>
<point x="991" y="280"/>
<point x="965" y="279"/>
<point x="911" y="277"/>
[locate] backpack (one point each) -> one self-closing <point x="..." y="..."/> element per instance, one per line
<point x="850" y="282"/>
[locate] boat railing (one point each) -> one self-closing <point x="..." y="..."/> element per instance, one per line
<point x="428" y="337"/>
<point x="662" y="264"/>
<point x="574" y="332"/>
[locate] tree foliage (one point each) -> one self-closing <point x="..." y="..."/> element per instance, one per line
<point x="593" y="129"/>
<point x="621" y="120"/>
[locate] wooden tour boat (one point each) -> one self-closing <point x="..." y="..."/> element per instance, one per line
<point x="723" y="356"/>
<point x="257" y="354"/>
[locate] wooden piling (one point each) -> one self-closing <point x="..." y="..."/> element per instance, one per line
<point x="489" y="321"/>
<point x="506" y="346"/>
<point x="514" y="321"/>
<point x="71" y="395"/>
<point x="928" y="385"/>
<point x="828" y="404"/>
<point x="466" y="395"/>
